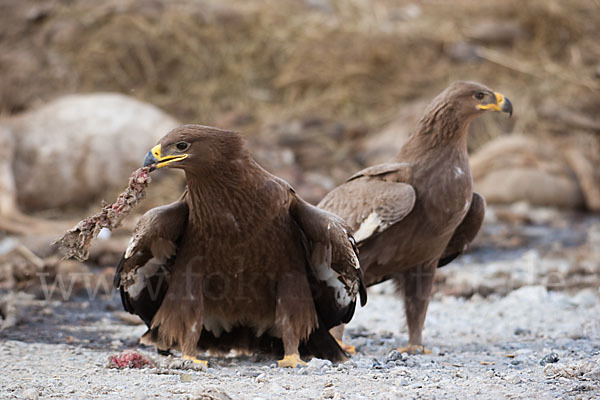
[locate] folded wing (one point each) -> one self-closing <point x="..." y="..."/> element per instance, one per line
<point x="332" y="258"/>
<point x="466" y="231"/>
<point x="369" y="215"/>
<point x="143" y="273"/>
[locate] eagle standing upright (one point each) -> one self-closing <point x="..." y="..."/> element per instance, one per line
<point x="240" y="261"/>
<point x="418" y="211"/>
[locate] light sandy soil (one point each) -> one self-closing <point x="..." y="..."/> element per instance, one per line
<point x="483" y="347"/>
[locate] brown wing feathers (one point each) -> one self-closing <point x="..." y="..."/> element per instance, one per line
<point x="332" y="261"/>
<point x="142" y="273"/>
<point x="466" y="231"/>
<point x="367" y="214"/>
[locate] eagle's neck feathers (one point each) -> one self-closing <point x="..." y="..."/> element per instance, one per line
<point x="440" y="129"/>
<point x="218" y="201"/>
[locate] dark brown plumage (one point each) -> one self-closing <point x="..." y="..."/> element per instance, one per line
<point x="240" y="261"/>
<point x="418" y="212"/>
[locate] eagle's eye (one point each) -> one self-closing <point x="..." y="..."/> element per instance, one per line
<point x="181" y="146"/>
<point x="479" y="95"/>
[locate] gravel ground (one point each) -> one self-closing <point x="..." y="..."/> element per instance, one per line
<point x="482" y="347"/>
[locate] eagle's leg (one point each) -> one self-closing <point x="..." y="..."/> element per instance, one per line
<point x="189" y="348"/>
<point x="417" y="283"/>
<point x="295" y="316"/>
<point x="195" y="360"/>
<point x="291" y="360"/>
<point x="179" y="319"/>
<point x="338" y="333"/>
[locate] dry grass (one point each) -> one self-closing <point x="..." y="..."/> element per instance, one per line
<point x="348" y="60"/>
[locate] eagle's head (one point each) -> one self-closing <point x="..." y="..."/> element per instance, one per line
<point x="195" y="148"/>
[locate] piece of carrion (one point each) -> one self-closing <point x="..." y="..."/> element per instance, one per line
<point x="130" y="359"/>
<point x="77" y="240"/>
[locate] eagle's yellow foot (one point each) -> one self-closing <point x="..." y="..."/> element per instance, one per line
<point x="291" y="361"/>
<point x="195" y="360"/>
<point x="414" y="349"/>
<point x="348" y="348"/>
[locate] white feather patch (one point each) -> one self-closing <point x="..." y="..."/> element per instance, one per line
<point x="216" y="325"/>
<point x="138" y="277"/>
<point x="130" y="247"/>
<point x="326" y="274"/>
<point x="162" y="249"/>
<point x="104" y="234"/>
<point x="368" y="227"/>
<point x="467" y="204"/>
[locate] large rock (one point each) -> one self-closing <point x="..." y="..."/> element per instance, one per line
<point x="518" y="168"/>
<point x="77" y="147"/>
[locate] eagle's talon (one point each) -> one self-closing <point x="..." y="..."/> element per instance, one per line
<point x="196" y="361"/>
<point x="348" y="348"/>
<point x="291" y="361"/>
<point x="414" y="349"/>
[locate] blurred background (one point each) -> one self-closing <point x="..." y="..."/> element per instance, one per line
<point x="321" y="89"/>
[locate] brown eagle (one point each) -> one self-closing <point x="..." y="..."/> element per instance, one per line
<point x="240" y="261"/>
<point x="418" y="211"/>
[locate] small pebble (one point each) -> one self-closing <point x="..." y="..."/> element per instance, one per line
<point x="31" y="394"/>
<point x="328" y="393"/>
<point x="364" y="363"/>
<point x="549" y="359"/>
<point x="317" y="363"/>
<point x="386" y="335"/>
<point x="395" y="355"/>
<point x="515" y="380"/>
<point x="522" y="332"/>
<point x="276" y="389"/>
<point x="412" y="362"/>
<point x="402" y="382"/>
<point x="585" y="298"/>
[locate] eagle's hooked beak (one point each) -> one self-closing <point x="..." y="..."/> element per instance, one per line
<point x="502" y="104"/>
<point x="155" y="156"/>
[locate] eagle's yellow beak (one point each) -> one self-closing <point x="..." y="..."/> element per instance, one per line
<point x="155" y="156"/>
<point x="502" y="104"/>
